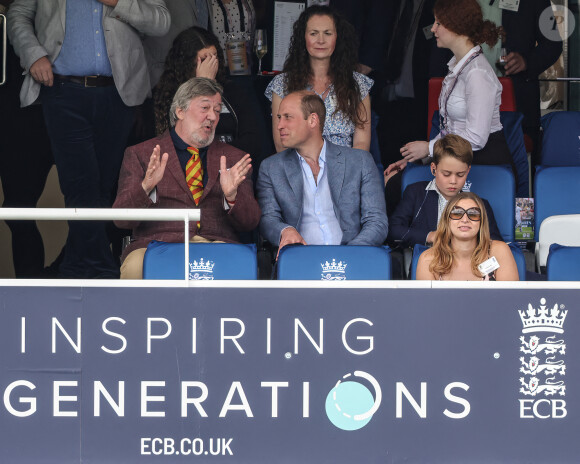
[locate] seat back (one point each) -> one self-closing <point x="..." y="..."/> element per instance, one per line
<point x="334" y="262"/>
<point x="556" y="191"/>
<point x="561" y="139"/>
<point x="417" y="251"/>
<point x="494" y="183"/>
<point x="562" y="229"/>
<point x="563" y="263"/>
<point x="517" y="253"/>
<point x="207" y="261"/>
<point x="412" y="174"/>
<point x="497" y="185"/>
<point x="508" y="99"/>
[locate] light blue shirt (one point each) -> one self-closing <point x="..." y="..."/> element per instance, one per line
<point x="83" y="52"/>
<point x="318" y="223"/>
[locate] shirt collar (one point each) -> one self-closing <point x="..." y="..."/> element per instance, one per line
<point x="433" y="186"/>
<point x="321" y="157"/>
<point x="178" y="142"/>
<point x="452" y="65"/>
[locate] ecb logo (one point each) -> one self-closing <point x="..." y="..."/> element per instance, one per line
<point x="201" y="270"/>
<point x="542" y="365"/>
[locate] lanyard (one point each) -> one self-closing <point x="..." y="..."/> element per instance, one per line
<point x="228" y="20"/>
<point x="443" y="119"/>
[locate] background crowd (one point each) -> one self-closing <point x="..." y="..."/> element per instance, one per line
<point x="368" y="61"/>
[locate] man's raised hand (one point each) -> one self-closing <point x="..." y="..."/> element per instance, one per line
<point x="155" y="170"/>
<point x="230" y="179"/>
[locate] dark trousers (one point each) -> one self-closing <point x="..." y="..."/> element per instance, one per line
<point x="88" y="129"/>
<point x="25" y="161"/>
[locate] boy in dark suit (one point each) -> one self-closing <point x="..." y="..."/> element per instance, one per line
<point x="417" y="215"/>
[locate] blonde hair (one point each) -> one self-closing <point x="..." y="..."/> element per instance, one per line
<point x="442" y="262"/>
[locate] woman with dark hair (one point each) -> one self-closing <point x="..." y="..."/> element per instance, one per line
<point x="322" y="58"/>
<point x="463" y="249"/>
<point x="196" y="52"/>
<point x="471" y="93"/>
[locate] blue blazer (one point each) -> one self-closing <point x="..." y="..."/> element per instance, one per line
<point x="355" y="185"/>
<point x="416" y="216"/>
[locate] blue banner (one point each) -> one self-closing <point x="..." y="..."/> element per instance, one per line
<point x="264" y="375"/>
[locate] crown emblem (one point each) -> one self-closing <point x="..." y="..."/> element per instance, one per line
<point x="543" y="319"/>
<point x="201" y="270"/>
<point x="467" y="186"/>
<point x="334" y="270"/>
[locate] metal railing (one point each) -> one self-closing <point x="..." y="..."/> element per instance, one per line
<point x="4" y="42"/>
<point x="105" y="214"/>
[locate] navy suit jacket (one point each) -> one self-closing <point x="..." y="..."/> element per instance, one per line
<point x="416" y="216"/>
<point x="355" y="185"/>
<point x="523" y="35"/>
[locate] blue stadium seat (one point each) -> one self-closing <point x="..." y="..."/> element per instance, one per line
<point x="494" y="183"/>
<point x="413" y="173"/>
<point x="334" y="262"/>
<point x="417" y="250"/>
<point x="516" y="252"/>
<point x="561" y="139"/>
<point x="520" y="260"/>
<point x="563" y="263"/>
<point x="207" y="261"/>
<point x="514" y="135"/>
<point x="556" y="192"/>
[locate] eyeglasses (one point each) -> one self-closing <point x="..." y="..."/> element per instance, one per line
<point x="474" y="214"/>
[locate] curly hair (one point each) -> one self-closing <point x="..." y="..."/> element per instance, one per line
<point x="180" y="66"/>
<point x="464" y="17"/>
<point x="442" y="262"/>
<point x="342" y="62"/>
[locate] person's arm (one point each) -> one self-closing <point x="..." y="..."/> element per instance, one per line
<point x="272" y="222"/>
<point x="543" y="53"/>
<point x="276" y="100"/>
<point x="480" y="99"/>
<point x="373" y="217"/>
<point x="508" y="270"/>
<point x="149" y="17"/>
<point x="362" y="135"/>
<point x="423" y="272"/>
<point x="22" y="34"/>
<point x="402" y="223"/>
<point x="137" y="181"/>
<point x="236" y="184"/>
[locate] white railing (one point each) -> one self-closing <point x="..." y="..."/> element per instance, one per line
<point x="106" y="214"/>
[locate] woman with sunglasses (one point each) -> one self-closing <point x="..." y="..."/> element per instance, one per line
<point x="470" y="96"/>
<point x="463" y="249"/>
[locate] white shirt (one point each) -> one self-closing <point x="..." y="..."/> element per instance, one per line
<point x="473" y="106"/>
<point x="441" y="203"/>
<point x="318" y="223"/>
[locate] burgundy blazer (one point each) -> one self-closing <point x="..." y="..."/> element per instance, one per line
<point x="173" y="192"/>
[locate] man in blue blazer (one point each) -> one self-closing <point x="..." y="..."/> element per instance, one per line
<point x="315" y="192"/>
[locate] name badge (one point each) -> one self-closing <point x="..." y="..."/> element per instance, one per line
<point x="427" y="32"/>
<point x="512" y="5"/>
<point x="488" y="266"/>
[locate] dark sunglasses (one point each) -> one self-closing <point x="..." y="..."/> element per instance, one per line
<point x="474" y="214"/>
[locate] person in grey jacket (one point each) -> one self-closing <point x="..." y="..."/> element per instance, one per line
<point x="316" y="192"/>
<point x="85" y="61"/>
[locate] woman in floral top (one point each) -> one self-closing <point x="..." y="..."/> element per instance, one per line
<point x="322" y="58"/>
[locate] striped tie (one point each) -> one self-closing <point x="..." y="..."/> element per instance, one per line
<point x="194" y="174"/>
